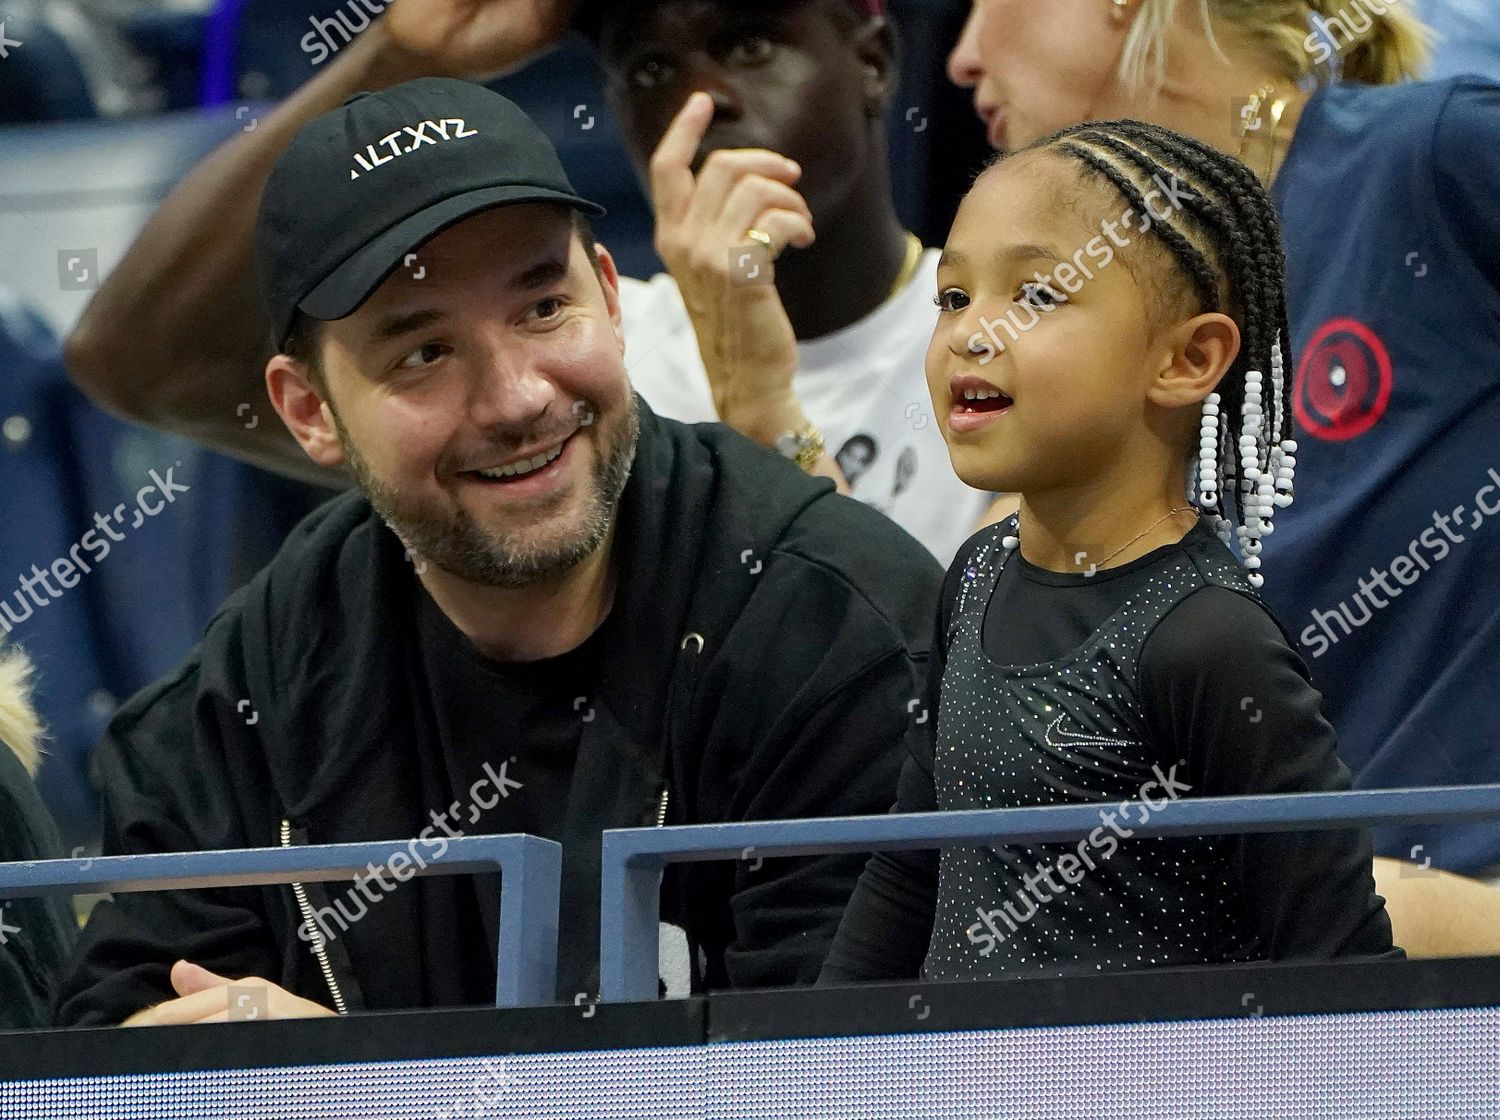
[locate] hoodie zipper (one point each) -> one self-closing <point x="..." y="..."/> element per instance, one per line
<point x="661" y="809"/>
<point x="319" y="949"/>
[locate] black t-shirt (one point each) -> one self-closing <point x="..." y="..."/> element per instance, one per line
<point x="510" y="733"/>
<point x="1220" y="687"/>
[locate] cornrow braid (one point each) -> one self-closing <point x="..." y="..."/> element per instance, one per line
<point x="1224" y="235"/>
<point x="1225" y="229"/>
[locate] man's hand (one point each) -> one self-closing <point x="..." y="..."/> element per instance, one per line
<point x="744" y="335"/>
<point x="203" y="997"/>
<point x="477" y="38"/>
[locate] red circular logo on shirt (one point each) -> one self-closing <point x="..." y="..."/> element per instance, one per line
<point x="1343" y="382"/>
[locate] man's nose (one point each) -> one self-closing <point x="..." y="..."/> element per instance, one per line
<point x="965" y="67"/>
<point x="509" y="392"/>
<point x="705" y="74"/>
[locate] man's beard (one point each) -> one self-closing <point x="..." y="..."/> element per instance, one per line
<point x="492" y="557"/>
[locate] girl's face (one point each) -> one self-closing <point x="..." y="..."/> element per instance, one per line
<point x="1043" y="351"/>
<point x="1038" y="67"/>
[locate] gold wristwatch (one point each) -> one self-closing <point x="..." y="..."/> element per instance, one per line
<point x="805" y="448"/>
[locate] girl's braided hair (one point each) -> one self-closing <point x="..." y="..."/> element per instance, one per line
<point x="1225" y="238"/>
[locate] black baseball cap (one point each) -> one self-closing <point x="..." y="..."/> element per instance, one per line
<point x="360" y="187"/>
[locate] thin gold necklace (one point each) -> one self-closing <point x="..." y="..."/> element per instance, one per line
<point x="909" y="265"/>
<point x="1104" y="563"/>
<point x="1143" y="532"/>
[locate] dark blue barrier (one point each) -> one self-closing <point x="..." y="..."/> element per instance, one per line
<point x="634" y="858"/>
<point x="530" y="874"/>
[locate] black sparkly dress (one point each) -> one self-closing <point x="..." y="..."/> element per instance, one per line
<point x="1073" y="730"/>
<point x="1159" y="679"/>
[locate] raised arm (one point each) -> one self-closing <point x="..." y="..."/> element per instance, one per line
<point x="175" y="337"/>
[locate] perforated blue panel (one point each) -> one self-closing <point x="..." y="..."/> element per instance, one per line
<point x="1437" y="1065"/>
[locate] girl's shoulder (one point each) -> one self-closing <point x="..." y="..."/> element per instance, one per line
<point x="976" y="565"/>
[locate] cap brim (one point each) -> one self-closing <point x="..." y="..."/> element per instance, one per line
<point x="349" y="285"/>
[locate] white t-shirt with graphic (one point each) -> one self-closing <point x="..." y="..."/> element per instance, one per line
<point x="863" y="386"/>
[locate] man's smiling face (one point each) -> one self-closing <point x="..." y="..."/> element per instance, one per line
<point x="484" y="408"/>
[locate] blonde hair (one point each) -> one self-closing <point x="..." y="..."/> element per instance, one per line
<point x="20" y="727"/>
<point x="1377" y="46"/>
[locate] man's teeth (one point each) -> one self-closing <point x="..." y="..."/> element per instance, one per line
<point x="526" y="467"/>
<point x="981" y="394"/>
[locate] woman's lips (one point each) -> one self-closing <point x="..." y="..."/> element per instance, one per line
<point x="995" y="130"/>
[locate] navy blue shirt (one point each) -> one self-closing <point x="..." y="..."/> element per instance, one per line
<point x="1386" y="567"/>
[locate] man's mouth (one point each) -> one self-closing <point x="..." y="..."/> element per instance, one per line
<point x="522" y="468"/>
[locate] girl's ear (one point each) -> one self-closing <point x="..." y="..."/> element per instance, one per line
<point x="1200" y="352"/>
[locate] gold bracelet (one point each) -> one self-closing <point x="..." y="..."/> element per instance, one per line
<point x="805" y="448"/>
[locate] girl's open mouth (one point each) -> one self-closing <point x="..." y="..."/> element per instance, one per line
<point x="975" y="403"/>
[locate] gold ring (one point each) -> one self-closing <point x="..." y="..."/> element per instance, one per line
<point x="761" y="237"/>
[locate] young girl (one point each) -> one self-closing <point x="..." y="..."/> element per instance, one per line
<point x="1110" y="347"/>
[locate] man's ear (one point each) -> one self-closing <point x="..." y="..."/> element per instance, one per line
<point x="609" y="281"/>
<point x="1198" y="353"/>
<point x="878" y="50"/>
<point x="302" y="409"/>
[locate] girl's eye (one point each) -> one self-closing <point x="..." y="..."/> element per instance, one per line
<point x="1041" y="296"/>
<point x="951" y="299"/>
<point x="423" y="355"/>
<point x="750" y="50"/>
<point x="652" y="73"/>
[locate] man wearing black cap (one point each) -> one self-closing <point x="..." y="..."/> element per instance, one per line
<point x="839" y="339"/>
<point x="547" y="611"/>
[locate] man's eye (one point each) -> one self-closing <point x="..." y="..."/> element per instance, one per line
<point x="423" y="355"/>
<point x="549" y="308"/>
<point x="951" y="299"/>
<point x="750" y="50"/>
<point x="1041" y="296"/>
<point x="652" y="73"/>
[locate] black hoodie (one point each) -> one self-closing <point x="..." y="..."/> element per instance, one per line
<point x="765" y="640"/>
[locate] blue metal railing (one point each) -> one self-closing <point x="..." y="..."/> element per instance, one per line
<point x="530" y="876"/>
<point x="634" y="858"/>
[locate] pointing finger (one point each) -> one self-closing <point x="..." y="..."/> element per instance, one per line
<point x="672" y="162"/>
